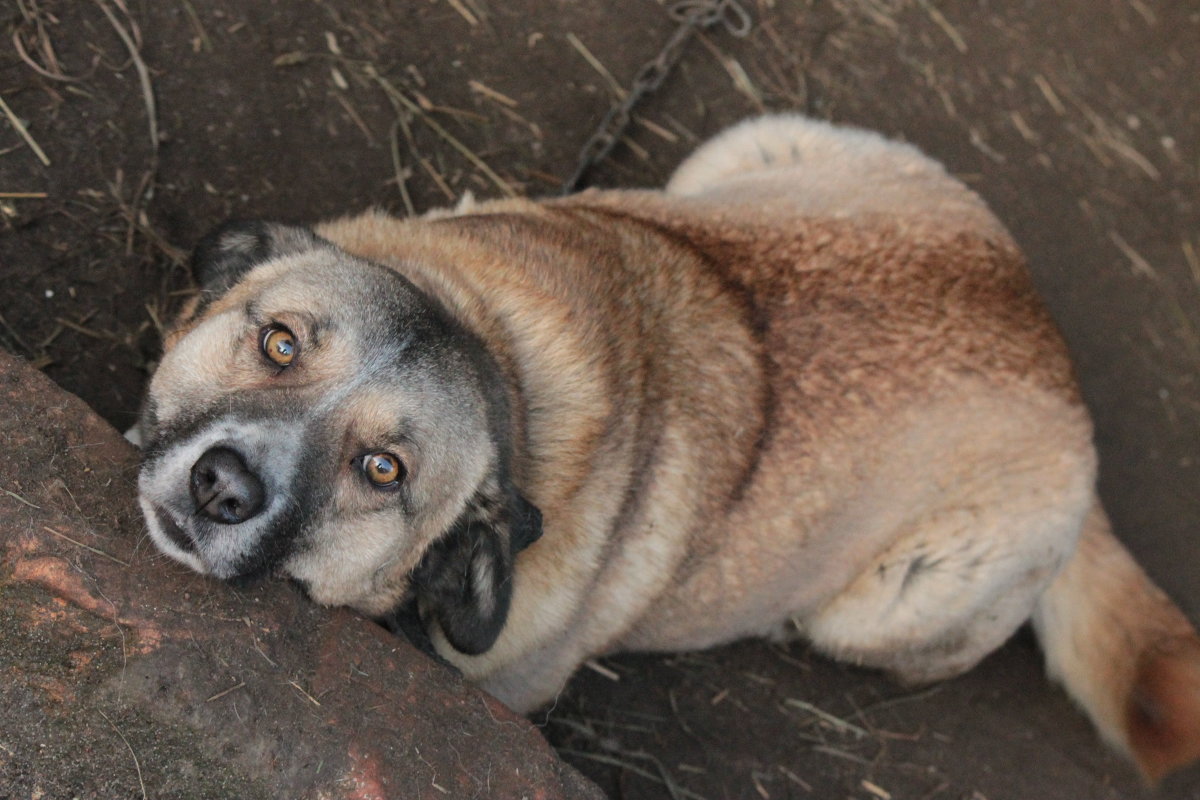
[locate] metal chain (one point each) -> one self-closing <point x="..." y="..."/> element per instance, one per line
<point x="692" y="16"/>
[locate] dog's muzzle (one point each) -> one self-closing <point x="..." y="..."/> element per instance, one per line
<point x="224" y="489"/>
<point x="221" y="500"/>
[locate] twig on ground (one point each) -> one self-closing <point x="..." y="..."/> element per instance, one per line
<point x="464" y="12"/>
<point x="205" y="43"/>
<point x="137" y="764"/>
<point x="16" y="496"/>
<point x="980" y="144"/>
<point x="836" y="753"/>
<point x="53" y="70"/>
<point x="16" y="338"/>
<point x="20" y="128"/>
<point x="87" y="547"/>
<point x="33" y="65"/>
<point x="1192" y="258"/>
<point x="940" y="20"/>
<point x="794" y="778"/>
<point x="1140" y="265"/>
<point x="356" y="118"/>
<point x="837" y="722"/>
<point x="878" y="791"/>
<point x="896" y="701"/>
<point x="402" y="172"/>
<point x="50" y="337"/>
<point x="155" y="320"/>
<point x="658" y="130"/>
<point x="142" y="71"/>
<point x="481" y="88"/>
<point x="1048" y="92"/>
<point x="439" y="180"/>
<point x="642" y="153"/>
<point x="221" y="694"/>
<point x="399" y="97"/>
<point x="600" y="669"/>
<point x="595" y="63"/>
<point x="300" y="689"/>
<point x="737" y="73"/>
<point x="1027" y="133"/>
<point x="613" y="761"/>
<point x="75" y="326"/>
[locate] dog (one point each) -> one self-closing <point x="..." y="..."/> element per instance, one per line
<point x="807" y="390"/>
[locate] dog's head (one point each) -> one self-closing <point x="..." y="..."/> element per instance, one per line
<point x="317" y="415"/>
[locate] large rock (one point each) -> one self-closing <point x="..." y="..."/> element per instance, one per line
<point x="124" y="675"/>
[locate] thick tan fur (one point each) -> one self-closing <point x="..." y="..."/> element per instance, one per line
<point x="809" y="390"/>
<point x="1124" y="652"/>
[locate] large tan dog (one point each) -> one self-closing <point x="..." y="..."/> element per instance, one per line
<point x="805" y="391"/>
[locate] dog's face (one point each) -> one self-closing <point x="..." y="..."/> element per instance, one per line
<point x="315" y="414"/>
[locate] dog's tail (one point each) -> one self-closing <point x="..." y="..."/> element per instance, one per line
<point x="1124" y="652"/>
<point x="776" y="142"/>
<point x="788" y="164"/>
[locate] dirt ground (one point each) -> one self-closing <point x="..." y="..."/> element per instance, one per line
<point x="149" y="121"/>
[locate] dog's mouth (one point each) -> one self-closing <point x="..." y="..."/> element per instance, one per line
<point x="174" y="532"/>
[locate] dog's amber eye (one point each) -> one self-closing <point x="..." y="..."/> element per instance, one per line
<point x="382" y="469"/>
<point x="278" y="344"/>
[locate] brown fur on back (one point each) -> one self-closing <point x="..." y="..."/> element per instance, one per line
<point x="906" y="289"/>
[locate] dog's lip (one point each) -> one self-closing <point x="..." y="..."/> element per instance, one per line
<point x="173" y="530"/>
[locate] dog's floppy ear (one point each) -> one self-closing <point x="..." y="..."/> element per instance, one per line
<point x="226" y="254"/>
<point x="464" y="581"/>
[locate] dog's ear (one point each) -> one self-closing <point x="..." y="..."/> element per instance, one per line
<point x="464" y="581"/>
<point x="226" y="254"/>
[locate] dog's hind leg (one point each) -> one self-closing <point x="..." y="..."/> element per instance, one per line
<point x="955" y="587"/>
<point x="952" y="589"/>
<point x="985" y="529"/>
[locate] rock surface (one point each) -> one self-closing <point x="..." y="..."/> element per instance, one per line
<point x="124" y="675"/>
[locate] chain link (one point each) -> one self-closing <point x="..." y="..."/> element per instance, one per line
<point x="692" y="16"/>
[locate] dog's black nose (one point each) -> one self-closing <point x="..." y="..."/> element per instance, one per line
<point x="224" y="488"/>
